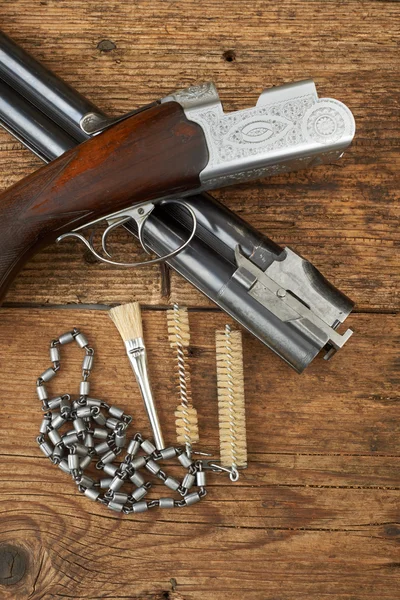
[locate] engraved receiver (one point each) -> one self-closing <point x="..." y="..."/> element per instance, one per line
<point x="290" y="128"/>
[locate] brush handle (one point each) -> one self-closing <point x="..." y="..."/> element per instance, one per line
<point x="137" y="355"/>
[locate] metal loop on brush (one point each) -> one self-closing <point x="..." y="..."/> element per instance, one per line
<point x="140" y="221"/>
<point x="216" y="467"/>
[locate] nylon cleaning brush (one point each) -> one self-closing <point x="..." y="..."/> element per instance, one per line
<point x="231" y="401"/>
<point x="187" y="429"/>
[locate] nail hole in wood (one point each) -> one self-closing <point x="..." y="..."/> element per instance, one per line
<point x="229" y="55"/>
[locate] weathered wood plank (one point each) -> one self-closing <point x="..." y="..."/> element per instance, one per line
<point x="245" y="505"/>
<point x="316" y="513"/>
<point x="344" y="217"/>
<point x="335" y="407"/>
<point x="273" y="544"/>
<point x="320" y="494"/>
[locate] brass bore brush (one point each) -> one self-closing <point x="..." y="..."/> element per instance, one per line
<point x="187" y="429"/>
<point x="231" y="401"/>
<point x="128" y="320"/>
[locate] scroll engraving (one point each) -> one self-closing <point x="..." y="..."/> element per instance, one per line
<point x="286" y="130"/>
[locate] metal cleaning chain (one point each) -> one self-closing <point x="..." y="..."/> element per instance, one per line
<point x="96" y="435"/>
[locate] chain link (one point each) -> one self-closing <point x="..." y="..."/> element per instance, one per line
<point x="99" y="431"/>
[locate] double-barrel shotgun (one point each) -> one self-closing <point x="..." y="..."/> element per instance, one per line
<point x="150" y="171"/>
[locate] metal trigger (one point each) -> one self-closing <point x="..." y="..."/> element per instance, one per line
<point x="139" y="215"/>
<point x="108" y="230"/>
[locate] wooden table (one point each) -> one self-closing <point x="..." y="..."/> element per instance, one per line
<point x="316" y="513"/>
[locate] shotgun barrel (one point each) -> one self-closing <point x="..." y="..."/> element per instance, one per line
<point x="42" y="87"/>
<point x="31" y="127"/>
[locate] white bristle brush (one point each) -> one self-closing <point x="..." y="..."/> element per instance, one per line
<point x="128" y="320"/>
<point x="187" y="429"/>
<point x="231" y="401"/>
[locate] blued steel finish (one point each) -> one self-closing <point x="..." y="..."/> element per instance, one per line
<point x="31" y="127"/>
<point x="44" y="89"/>
<point x="216" y="282"/>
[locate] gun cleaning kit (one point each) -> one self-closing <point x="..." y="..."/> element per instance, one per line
<point x="75" y="433"/>
<point x="271" y="292"/>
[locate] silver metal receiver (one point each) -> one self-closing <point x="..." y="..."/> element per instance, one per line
<point x="290" y="128"/>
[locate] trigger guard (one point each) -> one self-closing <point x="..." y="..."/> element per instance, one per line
<point x="140" y="224"/>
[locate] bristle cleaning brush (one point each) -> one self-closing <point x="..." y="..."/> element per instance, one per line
<point x="187" y="429"/>
<point x="231" y="401"/>
<point x="128" y="320"/>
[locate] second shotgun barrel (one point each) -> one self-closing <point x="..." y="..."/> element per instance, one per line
<point x="29" y="125"/>
<point x="42" y="87"/>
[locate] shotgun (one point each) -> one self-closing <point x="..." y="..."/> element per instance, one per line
<point x="183" y="144"/>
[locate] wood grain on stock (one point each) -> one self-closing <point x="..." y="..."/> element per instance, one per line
<point x="316" y="516"/>
<point x="149" y="155"/>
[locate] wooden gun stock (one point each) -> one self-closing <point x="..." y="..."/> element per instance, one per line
<point x="152" y="154"/>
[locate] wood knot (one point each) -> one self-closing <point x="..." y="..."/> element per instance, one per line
<point x="392" y="530"/>
<point x="13" y="564"/>
<point x="106" y="46"/>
